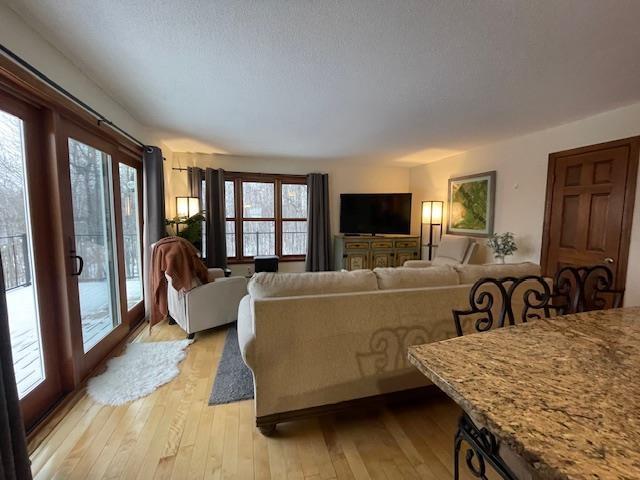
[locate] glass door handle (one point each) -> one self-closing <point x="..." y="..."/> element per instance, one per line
<point x="80" y="264"/>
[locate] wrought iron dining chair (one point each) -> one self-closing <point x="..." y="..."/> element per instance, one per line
<point x="587" y="288"/>
<point x="491" y="304"/>
<point x="494" y="297"/>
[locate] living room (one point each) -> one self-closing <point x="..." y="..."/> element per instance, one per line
<point x="342" y="239"/>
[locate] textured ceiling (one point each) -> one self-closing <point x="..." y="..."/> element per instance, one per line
<point x="349" y="78"/>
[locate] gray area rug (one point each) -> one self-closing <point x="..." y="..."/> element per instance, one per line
<point x="234" y="381"/>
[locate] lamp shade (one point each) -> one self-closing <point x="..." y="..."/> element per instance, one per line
<point x="432" y="212"/>
<point x="436" y="212"/>
<point x="187" y="206"/>
<point x="194" y="206"/>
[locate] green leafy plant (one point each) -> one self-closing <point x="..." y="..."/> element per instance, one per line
<point x="189" y="228"/>
<point x="502" y="244"/>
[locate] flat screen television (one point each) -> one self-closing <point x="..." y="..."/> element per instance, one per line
<point x="375" y="213"/>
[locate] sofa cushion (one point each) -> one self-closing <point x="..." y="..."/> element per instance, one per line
<point x="417" y="264"/>
<point x="398" y="278"/>
<point x="452" y="249"/>
<point x="266" y="285"/>
<point x="473" y="273"/>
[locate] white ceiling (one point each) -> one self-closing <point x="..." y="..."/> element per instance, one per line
<point x="350" y="78"/>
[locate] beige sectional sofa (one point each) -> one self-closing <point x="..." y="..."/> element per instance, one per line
<point x="318" y="339"/>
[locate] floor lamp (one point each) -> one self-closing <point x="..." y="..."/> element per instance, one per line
<point x="431" y="215"/>
<point x="186" y="207"/>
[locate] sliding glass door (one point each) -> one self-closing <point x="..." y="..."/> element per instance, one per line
<point x="17" y="257"/>
<point x="27" y="291"/>
<point x="94" y="237"/>
<point x="103" y="229"/>
<point x="131" y="220"/>
<point x="70" y="243"/>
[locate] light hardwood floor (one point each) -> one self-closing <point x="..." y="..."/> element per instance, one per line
<point x="173" y="433"/>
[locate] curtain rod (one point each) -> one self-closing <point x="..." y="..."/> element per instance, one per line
<point x="34" y="71"/>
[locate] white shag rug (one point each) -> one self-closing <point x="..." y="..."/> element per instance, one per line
<point x="142" y="369"/>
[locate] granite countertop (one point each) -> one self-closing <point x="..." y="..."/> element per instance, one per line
<point x="563" y="393"/>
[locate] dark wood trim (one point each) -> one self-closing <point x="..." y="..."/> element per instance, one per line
<point x="277" y="209"/>
<point x="546" y="226"/>
<point x="630" y="194"/>
<point x="38" y="196"/>
<point x="267" y="423"/>
<point x="277" y="180"/>
<point x="627" y="216"/>
<point x="265" y="177"/>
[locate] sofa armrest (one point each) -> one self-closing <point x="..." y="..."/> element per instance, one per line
<point x="473" y="246"/>
<point x="215" y="273"/>
<point x="215" y="303"/>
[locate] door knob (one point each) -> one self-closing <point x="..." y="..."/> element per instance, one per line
<point x="608" y="260"/>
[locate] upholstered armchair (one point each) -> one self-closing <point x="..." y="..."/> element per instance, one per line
<point x="209" y="305"/>
<point x="453" y="250"/>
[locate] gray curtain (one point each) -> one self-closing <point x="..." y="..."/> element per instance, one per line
<point x="154" y="214"/>
<point x="216" y="221"/>
<point x="319" y="236"/>
<point x="195" y="176"/>
<point x="13" y="447"/>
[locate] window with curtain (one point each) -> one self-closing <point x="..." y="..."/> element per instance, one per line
<point x="266" y="215"/>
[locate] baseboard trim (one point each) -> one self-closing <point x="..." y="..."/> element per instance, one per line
<point x="267" y="423"/>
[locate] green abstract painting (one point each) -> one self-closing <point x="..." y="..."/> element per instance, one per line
<point x="471" y="204"/>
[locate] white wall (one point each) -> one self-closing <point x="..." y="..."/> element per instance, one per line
<point x="521" y="164"/>
<point x="20" y="38"/>
<point x="343" y="178"/>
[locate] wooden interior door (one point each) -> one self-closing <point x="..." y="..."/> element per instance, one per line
<point x="589" y="208"/>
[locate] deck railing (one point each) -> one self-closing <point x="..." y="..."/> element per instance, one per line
<point x="266" y="246"/>
<point x="17" y="269"/>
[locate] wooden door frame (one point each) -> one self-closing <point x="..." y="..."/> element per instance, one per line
<point x="37" y="402"/>
<point x="633" y="143"/>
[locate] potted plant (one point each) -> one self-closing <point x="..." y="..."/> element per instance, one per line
<point x="502" y="244"/>
<point x="191" y="228"/>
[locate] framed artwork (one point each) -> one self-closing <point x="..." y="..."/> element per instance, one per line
<point x="471" y="204"/>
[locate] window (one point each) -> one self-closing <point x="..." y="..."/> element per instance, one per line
<point x="230" y="213"/>
<point x="131" y="233"/>
<point x="294" y="219"/>
<point x="266" y="215"/>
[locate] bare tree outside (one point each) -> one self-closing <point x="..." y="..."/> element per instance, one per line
<point x="131" y="233"/>
<point x="258" y="211"/>
<point x="294" y="206"/>
<point x="92" y="198"/>
<point x="259" y="237"/>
